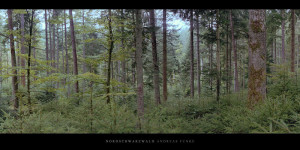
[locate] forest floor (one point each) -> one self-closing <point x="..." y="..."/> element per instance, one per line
<point x="177" y="115"/>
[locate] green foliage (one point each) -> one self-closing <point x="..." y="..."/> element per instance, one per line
<point x="283" y="83"/>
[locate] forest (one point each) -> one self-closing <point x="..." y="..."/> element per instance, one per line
<point x="203" y="71"/>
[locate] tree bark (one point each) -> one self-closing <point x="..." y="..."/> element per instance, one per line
<point x="155" y="59"/>
<point x="57" y="54"/>
<point x="123" y="62"/>
<point x="83" y="47"/>
<point x="165" y="88"/>
<point x="28" y="63"/>
<point x="111" y="46"/>
<point x="66" y="49"/>
<point x="198" y="56"/>
<point x="50" y="39"/>
<point x="257" y="57"/>
<point x="53" y="40"/>
<point x="13" y="62"/>
<point x="75" y="66"/>
<point x="293" y="41"/>
<point x="22" y="50"/>
<point x="139" y="65"/>
<point x="283" y="37"/>
<point x="236" y="81"/>
<point x="227" y="58"/>
<point x="192" y="53"/>
<point x="218" y="57"/>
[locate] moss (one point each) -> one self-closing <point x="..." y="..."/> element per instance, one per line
<point x="254" y="45"/>
<point x="256" y="26"/>
<point x="262" y="57"/>
<point x="256" y="78"/>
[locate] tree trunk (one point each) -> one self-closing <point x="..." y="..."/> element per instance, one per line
<point x="192" y="53"/>
<point x="218" y="57"/>
<point x="22" y="50"/>
<point x="198" y="56"/>
<point x="57" y="54"/>
<point x="236" y="81"/>
<point x="293" y="41"/>
<point x="139" y="65"/>
<point x="66" y="49"/>
<point x="257" y="57"/>
<point x="62" y="52"/>
<point x="283" y="37"/>
<point x="54" y="43"/>
<point x="75" y="66"/>
<point x="83" y="46"/>
<point x="123" y="62"/>
<point x="50" y="38"/>
<point x="111" y="46"/>
<point x="155" y="59"/>
<point x="13" y="62"/>
<point x="28" y="63"/>
<point x="133" y="65"/>
<point x="227" y="58"/>
<point x="165" y="89"/>
<point x="83" y="51"/>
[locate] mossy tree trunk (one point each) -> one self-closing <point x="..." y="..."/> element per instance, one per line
<point x="257" y="57"/>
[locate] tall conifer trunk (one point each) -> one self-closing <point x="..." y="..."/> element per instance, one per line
<point x="75" y="66"/>
<point x="22" y="49"/>
<point x="283" y="37"/>
<point x="111" y="47"/>
<point x="257" y="57"/>
<point x="155" y="59"/>
<point x="198" y="56"/>
<point x="236" y="81"/>
<point x="165" y="90"/>
<point x="15" y="98"/>
<point x="293" y="41"/>
<point x="192" y="53"/>
<point x="139" y="65"/>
